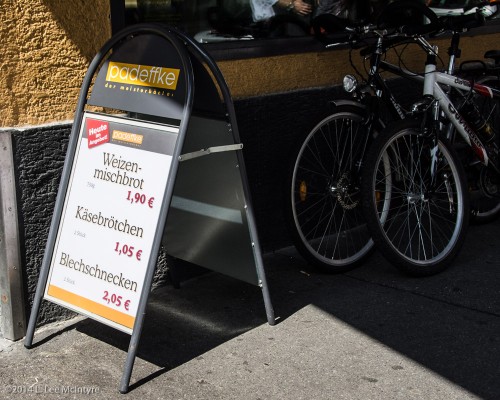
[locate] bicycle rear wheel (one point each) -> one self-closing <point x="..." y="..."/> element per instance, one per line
<point x="418" y="222"/>
<point x="485" y="207"/>
<point x="323" y="205"/>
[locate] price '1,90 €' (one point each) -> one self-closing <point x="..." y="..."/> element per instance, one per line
<point x="140" y="198"/>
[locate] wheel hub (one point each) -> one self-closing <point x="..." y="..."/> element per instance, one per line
<point x="346" y="192"/>
<point x="414" y="198"/>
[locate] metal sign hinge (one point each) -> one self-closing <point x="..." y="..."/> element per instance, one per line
<point x="210" y="150"/>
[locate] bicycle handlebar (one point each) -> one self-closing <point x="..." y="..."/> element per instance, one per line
<point x="462" y="22"/>
<point x="481" y="5"/>
<point x="347" y="33"/>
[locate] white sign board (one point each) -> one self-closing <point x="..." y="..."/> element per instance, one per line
<point x="110" y="217"/>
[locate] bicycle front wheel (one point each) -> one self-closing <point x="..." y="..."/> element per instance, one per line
<point x="417" y="218"/>
<point x="323" y="205"/>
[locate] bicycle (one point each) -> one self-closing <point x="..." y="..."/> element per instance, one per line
<point x="416" y="200"/>
<point x="483" y="206"/>
<point x="323" y="204"/>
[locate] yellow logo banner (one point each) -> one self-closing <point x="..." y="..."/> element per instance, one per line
<point x="143" y="75"/>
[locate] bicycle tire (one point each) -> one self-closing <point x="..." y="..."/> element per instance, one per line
<point x="323" y="207"/>
<point x="485" y="208"/>
<point x="419" y="230"/>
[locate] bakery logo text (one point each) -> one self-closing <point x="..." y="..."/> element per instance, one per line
<point x="143" y="75"/>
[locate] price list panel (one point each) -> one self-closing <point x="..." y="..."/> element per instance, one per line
<point x="110" y="216"/>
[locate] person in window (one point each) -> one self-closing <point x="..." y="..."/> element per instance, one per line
<point x="264" y="10"/>
<point x="338" y="8"/>
<point x="354" y="10"/>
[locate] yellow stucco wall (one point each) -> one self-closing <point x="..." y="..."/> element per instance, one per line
<point x="298" y="71"/>
<point x="48" y="44"/>
<point x="46" y="48"/>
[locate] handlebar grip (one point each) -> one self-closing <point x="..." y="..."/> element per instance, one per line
<point x="463" y="22"/>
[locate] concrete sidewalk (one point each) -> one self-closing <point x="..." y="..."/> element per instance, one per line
<point x="367" y="334"/>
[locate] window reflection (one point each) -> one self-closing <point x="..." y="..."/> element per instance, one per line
<point x="230" y="20"/>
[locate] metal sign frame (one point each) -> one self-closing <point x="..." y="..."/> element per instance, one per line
<point x="188" y="53"/>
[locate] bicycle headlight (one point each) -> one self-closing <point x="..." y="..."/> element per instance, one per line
<point x="350" y="83"/>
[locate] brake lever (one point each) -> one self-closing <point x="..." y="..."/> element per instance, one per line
<point x="480" y="5"/>
<point x="331" y="45"/>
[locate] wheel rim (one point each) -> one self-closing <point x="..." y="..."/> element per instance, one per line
<point x="326" y="193"/>
<point x="420" y="223"/>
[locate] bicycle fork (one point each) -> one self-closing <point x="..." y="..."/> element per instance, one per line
<point x="432" y="128"/>
<point x="430" y="110"/>
<point x="435" y="155"/>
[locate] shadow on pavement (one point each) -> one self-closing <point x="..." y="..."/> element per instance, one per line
<point x="448" y="323"/>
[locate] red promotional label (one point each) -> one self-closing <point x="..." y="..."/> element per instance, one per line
<point x="97" y="132"/>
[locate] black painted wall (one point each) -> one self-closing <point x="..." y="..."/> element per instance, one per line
<point x="269" y="127"/>
<point x="39" y="158"/>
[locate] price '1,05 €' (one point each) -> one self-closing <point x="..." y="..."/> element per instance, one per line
<point x="128" y="251"/>
<point x="140" y="198"/>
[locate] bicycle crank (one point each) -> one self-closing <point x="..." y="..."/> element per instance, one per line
<point x="489" y="181"/>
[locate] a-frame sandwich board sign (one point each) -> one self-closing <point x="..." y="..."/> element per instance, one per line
<point x="123" y="190"/>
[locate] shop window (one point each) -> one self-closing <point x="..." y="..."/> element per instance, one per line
<point x="246" y="28"/>
<point x="239" y="28"/>
<point x="213" y="21"/>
